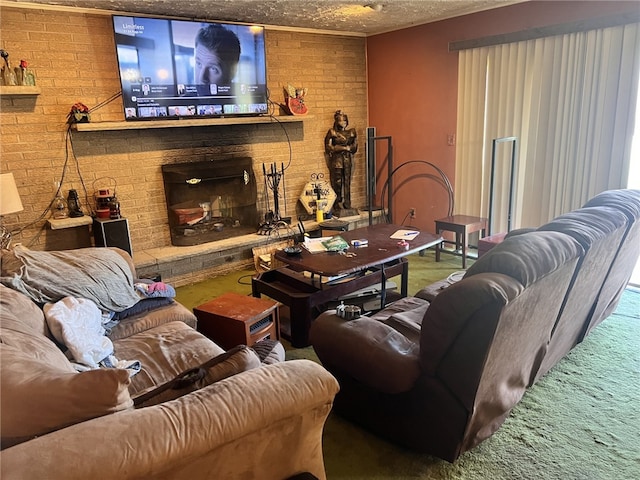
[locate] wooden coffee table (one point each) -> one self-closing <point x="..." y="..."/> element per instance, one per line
<point x="383" y="258"/>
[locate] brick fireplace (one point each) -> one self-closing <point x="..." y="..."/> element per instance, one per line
<point x="210" y="201"/>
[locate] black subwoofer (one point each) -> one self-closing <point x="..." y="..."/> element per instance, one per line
<point x="112" y="233"/>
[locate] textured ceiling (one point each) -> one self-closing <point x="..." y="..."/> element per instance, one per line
<point x="364" y="17"/>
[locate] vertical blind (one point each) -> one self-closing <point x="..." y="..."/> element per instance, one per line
<point x="569" y="99"/>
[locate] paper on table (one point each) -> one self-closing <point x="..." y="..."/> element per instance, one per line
<point x="314" y="245"/>
<point x="405" y="234"/>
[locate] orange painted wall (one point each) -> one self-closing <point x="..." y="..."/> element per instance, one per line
<point x="412" y="80"/>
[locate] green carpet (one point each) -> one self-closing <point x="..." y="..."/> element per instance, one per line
<point x="423" y="270"/>
<point x="581" y="421"/>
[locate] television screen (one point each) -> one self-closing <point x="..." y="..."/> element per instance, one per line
<point x="179" y="68"/>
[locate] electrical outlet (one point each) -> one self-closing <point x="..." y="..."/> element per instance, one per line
<point x="412" y="213"/>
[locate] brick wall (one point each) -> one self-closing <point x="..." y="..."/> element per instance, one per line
<point x="73" y="56"/>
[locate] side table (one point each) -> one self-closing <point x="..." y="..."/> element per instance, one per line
<point x="233" y="319"/>
<point x="487" y="243"/>
<point x="462" y="225"/>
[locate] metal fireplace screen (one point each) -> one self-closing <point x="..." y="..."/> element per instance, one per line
<point x="210" y="201"/>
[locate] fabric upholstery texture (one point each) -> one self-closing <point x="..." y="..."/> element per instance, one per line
<point x="370" y="349"/>
<point x="132" y="325"/>
<point x="214" y="370"/>
<point x="161" y="361"/>
<point x="513" y="258"/>
<point x="31" y="317"/>
<point x="596" y="229"/>
<point x="23" y="326"/>
<point x="269" y="351"/>
<point x="98" y="274"/>
<point x="264" y="423"/>
<point x="626" y="201"/>
<point x="43" y="398"/>
<point x="42" y="390"/>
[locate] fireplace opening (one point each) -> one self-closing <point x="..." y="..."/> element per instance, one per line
<point x="211" y="200"/>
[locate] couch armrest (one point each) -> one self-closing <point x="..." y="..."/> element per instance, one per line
<point x="267" y="421"/>
<point x="372" y="352"/>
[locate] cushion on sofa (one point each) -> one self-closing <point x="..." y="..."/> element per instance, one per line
<point x="98" y="274"/>
<point x="237" y="360"/>
<point x="369" y="350"/>
<point x="43" y="397"/>
<point x="160" y="315"/>
<point x="269" y="351"/>
<point x="164" y="351"/>
<point x="31" y="317"/>
<point x="590" y="224"/>
<point x="405" y="316"/>
<point x="529" y="257"/>
<point x="625" y="200"/>
<point x="21" y="327"/>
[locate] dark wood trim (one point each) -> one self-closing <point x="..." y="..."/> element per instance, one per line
<point x="548" y="31"/>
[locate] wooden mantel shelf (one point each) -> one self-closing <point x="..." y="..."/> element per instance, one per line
<point x="186" y="122"/>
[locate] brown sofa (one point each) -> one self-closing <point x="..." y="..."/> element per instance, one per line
<point x="441" y="377"/>
<point x="248" y="420"/>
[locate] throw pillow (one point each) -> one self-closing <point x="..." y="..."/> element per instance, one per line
<point x="269" y="351"/>
<point x="30" y="316"/>
<point x="38" y="398"/>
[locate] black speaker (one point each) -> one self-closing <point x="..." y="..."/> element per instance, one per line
<point x="112" y="233"/>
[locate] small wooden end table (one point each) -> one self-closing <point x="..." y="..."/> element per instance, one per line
<point x="233" y="319"/>
<point x="462" y="225"/>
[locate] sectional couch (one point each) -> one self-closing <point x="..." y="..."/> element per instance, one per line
<point x="245" y="414"/>
<point x="442" y="376"/>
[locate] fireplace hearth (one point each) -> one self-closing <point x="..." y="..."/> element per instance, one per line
<point x="211" y="200"/>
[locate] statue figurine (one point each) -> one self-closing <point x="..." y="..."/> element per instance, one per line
<point x="341" y="144"/>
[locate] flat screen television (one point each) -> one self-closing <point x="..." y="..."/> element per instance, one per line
<point x="180" y="68"/>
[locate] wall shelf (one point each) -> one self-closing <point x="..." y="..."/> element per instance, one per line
<point x="186" y="122"/>
<point x="11" y="90"/>
<point x="59" y="223"/>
